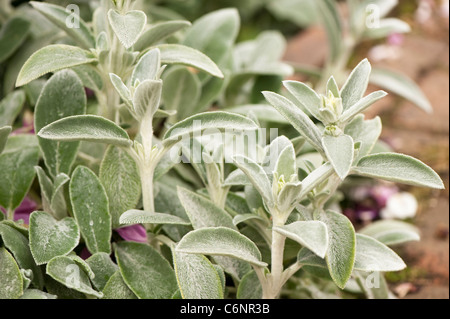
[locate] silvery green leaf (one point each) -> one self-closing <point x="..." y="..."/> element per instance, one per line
<point x="273" y="152"/>
<point x="89" y="128"/>
<point x="68" y="272"/>
<point x="211" y="92"/>
<point x="90" y="77"/>
<point x="60" y="16"/>
<point x="340" y="152"/>
<point x="50" y="238"/>
<point x="102" y="42"/>
<point x="62" y="96"/>
<point x="147" y="67"/>
<point x="387" y="27"/>
<point x="158" y="32"/>
<point x="223" y="28"/>
<point x="145" y="271"/>
<point x="398" y="168"/>
<point x="16" y="173"/>
<point x="356" y="85"/>
<point x="116" y="288"/>
<point x="58" y="204"/>
<point x="256" y="175"/>
<point x="4" y="133"/>
<point x="362" y="105"/>
<point x="308" y="258"/>
<point x="286" y="165"/>
<point x="142" y="217"/>
<point x="378" y="288"/>
<point x="237" y="177"/>
<point x="236" y="204"/>
<point x="401" y="85"/>
<point x="10" y="277"/>
<point x="333" y="87"/>
<point x="163" y="114"/>
<point x="202" y="212"/>
<point x="103" y="268"/>
<point x="197" y="278"/>
<point x="300" y="12"/>
<point x="180" y="54"/>
<point x="262" y="112"/>
<point x="52" y="58"/>
<point x="238" y="219"/>
<point x="11" y="106"/>
<point x="221" y="241"/>
<point x="310" y="234"/>
<point x="122" y="89"/>
<point x="12" y="35"/>
<point x="17" y="243"/>
<point x="365" y="132"/>
<point x="299" y="120"/>
<point x="218" y="121"/>
<point x="128" y="27"/>
<point x="91" y="209"/>
<point x="249" y="287"/>
<point x="37" y="294"/>
<point x="341" y="252"/>
<point x="305" y="97"/>
<point x="181" y="91"/>
<point x="328" y="14"/>
<point x="371" y="255"/>
<point x="147" y="97"/>
<point x="391" y="232"/>
<point x="119" y="175"/>
<point x="288" y="197"/>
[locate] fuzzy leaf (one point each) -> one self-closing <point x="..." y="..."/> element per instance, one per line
<point x="12" y="35"/>
<point x="391" y="232"/>
<point x="121" y="88"/>
<point x="311" y="234"/>
<point x="10" y="277"/>
<point x="147" y="97"/>
<point x="362" y="105"/>
<point x="286" y="165"/>
<point x="341" y="252"/>
<point x="306" y="97"/>
<point x="147" y="67"/>
<point x="221" y="241"/>
<point x="371" y="255"/>
<point x="398" y="168"/>
<point x="180" y="54"/>
<point x="249" y="287"/>
<point x="365" y="132"/>
<point x="50" y="59"/>
<point x="356" y="85"/>
<point x="158" y="32"/>
<point x="340" y="151"/>
<point x="197" y="278"/>
<point x="141" y="217"/>
<point x="103" y="268"/>
<point x="89" y="128"/>
<point x="120" y="178"/>
<point x="60" y="16"/>
<point x="37" y="294"/>
<point x="116" y="288"/>
<point x="4" y="133"/>
<point x="91" y="209"/>
<point x="62" y="96"/>
<point x="50" y="238"/>
<point x="11" y="106"/>
<point x="145" y="271"/>
<point x="128" y="27"/>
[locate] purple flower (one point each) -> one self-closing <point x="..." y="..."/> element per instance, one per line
<point x="396" y="39"/>
<point x="24" y="210"/>
<point x="382" y="193"/>
<point x="135" y="233"/>
<point x="366" y="214"/>
<point x="27" y="125"/>
<point x="85" y="254"/>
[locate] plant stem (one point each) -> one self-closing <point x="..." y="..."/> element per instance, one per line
<point x="10" y="214"/>
<point x="147" y="173"/>
<point x="276" y="273"/>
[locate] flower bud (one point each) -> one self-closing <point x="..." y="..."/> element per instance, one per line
<point x="331" y="108"/>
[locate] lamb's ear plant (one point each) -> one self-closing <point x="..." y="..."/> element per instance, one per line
<point x="240" y="224"/>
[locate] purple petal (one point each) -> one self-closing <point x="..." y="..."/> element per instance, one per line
<point x="396" y="39"/>
<point x="85" y="254"/>
<point x="135" y="233"/>
<point x="381" y="194"/>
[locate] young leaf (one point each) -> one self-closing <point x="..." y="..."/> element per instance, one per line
<point x="52" y="58"/>
<point x="16" y="173"/>
<point x="398" y="168"/>
<point x="147" y="97"/>
<point x="158" y="32"/>
<point x="128" y="27"/>
<point x="58" y="204"/>
<point x="299" y="120"/>
<point x="356" y="85"/>
<point x="341" y="252"/>
<point x="11" y="106"/>
<point x="59" y="16"/>
<point x="68" y="272"/>
<point x="4" y="133"/>
<point x="306" y="97"/>
<point x="50" y="238"/>
<point x="286" y="165"/>
<point x="387" y="27"/>
<point x="10" y="277"/>
<point x="145" y="271"/>
<point x="401" y="85"/>
<point x="315" y="178"/>
<point x="391" y="232"/>
<point x="206" y="121"/>
<point x="91" y="209"/>
<point x="120" y="178"/>
<point x="121" y="88"/>
<point x="197" y="278"/>
<point x="202" y="212"/>
<point x="141" y="217"/>
<point x="116" y="288"/>
<point x="221" y="241"/>
<point x="371" y="255"/>
<point x="311" y="234"/>
<point x="89" y="128"/>
<point x="339" y="151"/>
<point x="180" y="54"/>
<point x="249" y="287"/>
<point x="257" y="176"/>
<point x="365" y="132"/>
<point x="362" y="105"/>
<point x="103" y="268"/>
<point x="147" y="67"/>
<point x="62" y="96"/>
